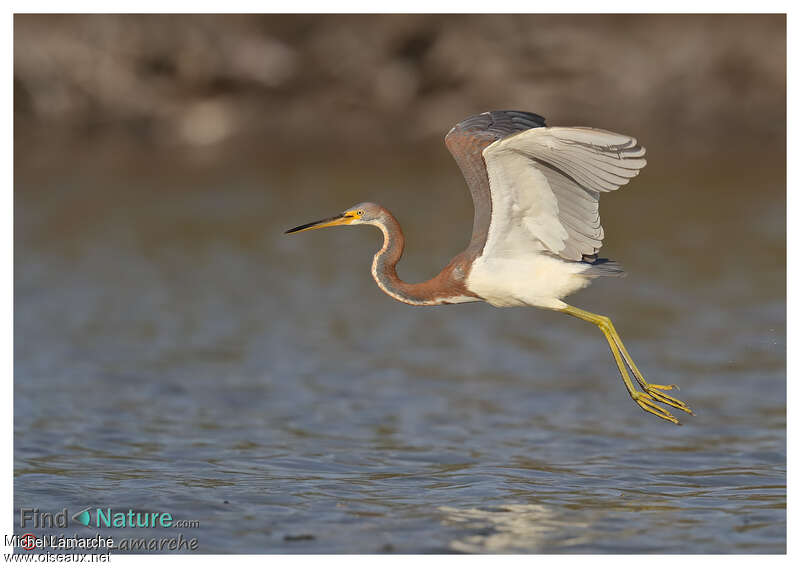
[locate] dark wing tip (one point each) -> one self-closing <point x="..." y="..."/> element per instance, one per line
<point x="523" y="120"/>
<point x="498" y="124"/>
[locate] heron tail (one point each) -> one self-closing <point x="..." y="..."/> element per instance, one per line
<point x="603" y="267"/>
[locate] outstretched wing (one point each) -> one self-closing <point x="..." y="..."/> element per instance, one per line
<point x="545" y="184"/>
<point x="466" y="141"/>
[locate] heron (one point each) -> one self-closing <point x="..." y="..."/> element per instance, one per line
<point x="536" y="230"/>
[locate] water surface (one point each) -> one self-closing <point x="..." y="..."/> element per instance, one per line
<point x="175" y="352"/>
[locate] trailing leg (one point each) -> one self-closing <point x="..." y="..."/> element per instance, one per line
<point x="651" y="392"/>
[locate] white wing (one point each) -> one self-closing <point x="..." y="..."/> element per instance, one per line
<point x="545" y="184"/>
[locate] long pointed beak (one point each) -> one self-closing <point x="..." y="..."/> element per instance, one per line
<point x="340" y="219"/>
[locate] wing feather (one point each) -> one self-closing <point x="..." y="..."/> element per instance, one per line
<point x="545" y="185"/>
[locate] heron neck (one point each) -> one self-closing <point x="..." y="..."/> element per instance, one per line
<point x="440" y="289"/>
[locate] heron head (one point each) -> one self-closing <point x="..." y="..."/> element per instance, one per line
<point x="358" y="214"/>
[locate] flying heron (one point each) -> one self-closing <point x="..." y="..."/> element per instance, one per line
<point x="536" y="231"/>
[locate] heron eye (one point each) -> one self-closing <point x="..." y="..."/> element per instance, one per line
<point x="361" y="212"/>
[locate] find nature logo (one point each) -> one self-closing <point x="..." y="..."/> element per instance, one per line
<point x="102" y="518"/>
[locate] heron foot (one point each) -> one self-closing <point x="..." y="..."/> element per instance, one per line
<point x="652" y="392"/>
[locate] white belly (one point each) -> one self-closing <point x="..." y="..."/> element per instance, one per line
<point x="535" y="279"/>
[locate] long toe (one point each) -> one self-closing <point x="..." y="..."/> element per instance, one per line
<point x="646" y="403"/>
<point x="655" y="392"/>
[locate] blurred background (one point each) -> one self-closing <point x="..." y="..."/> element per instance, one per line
<point x="174" y="351"/>
<point x="693" y="82"/>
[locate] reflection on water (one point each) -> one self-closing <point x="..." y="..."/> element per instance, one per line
<point x="174" y="351"/>
<point x="508" y="528"/>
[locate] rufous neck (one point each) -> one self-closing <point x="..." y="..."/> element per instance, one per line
<point x="384" y="267"/>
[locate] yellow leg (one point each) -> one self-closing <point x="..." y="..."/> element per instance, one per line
<point x="652" y="393"/>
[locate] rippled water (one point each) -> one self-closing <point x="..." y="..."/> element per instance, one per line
<point x="175" y="352"/>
